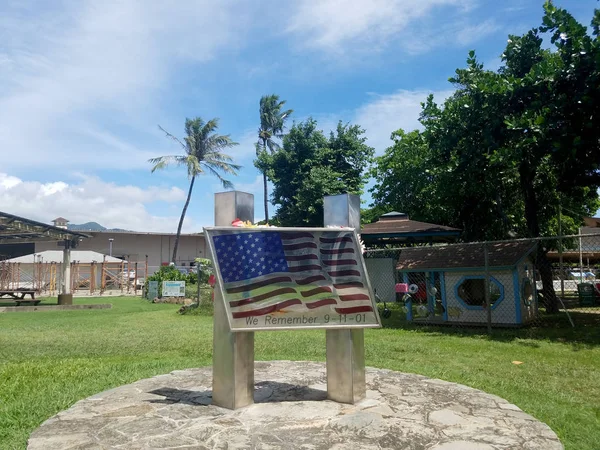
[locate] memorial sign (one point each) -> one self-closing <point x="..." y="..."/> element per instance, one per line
<point x="282" y="278"/>
<point x="173" y="289"/>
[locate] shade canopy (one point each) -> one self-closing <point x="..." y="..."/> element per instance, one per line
<point x="56" y="256"/>
<point x="15" y="229"/>
<point x="396" y="228"/>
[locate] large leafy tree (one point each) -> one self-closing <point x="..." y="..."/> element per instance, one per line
<point x="311" y="165"/>
<point x="272" y="124"/>
<point x="202" y="153"/>
<point x="508" y="148"/>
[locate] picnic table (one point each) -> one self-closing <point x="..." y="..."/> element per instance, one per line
<point x="18" y="296"/>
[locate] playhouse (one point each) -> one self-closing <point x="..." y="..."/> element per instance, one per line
<point x="447" y="283"/>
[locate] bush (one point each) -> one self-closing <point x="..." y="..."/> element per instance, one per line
<point x="202" y="309"/>
<point x="165" y="273"/>
<point x="204" y="269"/>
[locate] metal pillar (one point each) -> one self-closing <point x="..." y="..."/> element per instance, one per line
<point x="66" y="298"/>
<point x="345" y="349"/>
<point x="488" y="303"/>
<point x="233" y="353"/>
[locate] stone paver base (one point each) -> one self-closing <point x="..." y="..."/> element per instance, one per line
<point x="401" y="411"/>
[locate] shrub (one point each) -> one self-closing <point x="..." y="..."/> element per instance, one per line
<point x="202" y="309"/>
<point x="204" y="269"/>
<point x="166" y="273"/>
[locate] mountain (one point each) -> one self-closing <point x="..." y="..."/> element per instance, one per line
<point x="88" y="226"/>
<point x="91" y="226"/>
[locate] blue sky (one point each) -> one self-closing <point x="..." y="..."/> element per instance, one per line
<point x="84" y="84"/>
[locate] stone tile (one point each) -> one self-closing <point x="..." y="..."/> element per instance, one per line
<point x="400" y="411"/>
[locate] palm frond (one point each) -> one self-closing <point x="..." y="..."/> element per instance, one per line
<point x="202" y="151"/>
<point x="174" y="138"/>
<point x="162" y="162"/>
<point x="222" y="166"/>
<point x="226" y="183"/>
<point x="218" y="141"/>
<point x="273" y="146"/>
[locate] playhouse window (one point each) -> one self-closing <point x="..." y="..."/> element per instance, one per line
<point x="472" y="291"/>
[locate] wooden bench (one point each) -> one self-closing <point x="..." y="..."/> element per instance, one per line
<point x="18" y="296"/>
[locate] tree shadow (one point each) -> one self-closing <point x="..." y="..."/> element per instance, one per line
<point x="264" y="392"/>
<point x="548" y="327"/>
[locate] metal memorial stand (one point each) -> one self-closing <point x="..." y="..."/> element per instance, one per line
<point x="345" y="348"/>
<point x="233" y="353"/>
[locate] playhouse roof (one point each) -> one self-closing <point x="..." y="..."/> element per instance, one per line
<point x="467" y="256"/>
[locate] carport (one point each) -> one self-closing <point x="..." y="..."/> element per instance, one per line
<point x="15" y="229"/>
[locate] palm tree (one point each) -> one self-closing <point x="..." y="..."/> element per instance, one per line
<point x="272" y="123"/>
<point x="202" y="153"/>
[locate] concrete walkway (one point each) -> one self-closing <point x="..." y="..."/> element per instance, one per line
<point x="401" y="411"/>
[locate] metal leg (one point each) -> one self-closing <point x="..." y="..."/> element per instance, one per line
<point x="233" y="362"/>
<point x="233" y="353"/>
<point x="345" y="348"/>
<point x="346" y="381"/>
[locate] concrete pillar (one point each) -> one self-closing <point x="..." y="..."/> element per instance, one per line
<point x="345" y="349"/>
<point x="233" y="353"/>
<point x="66" y="297"/>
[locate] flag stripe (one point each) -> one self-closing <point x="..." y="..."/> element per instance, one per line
<point x="343" y="273"/>
<point x="319" y="303"/>
<point x="249" y="287"/>
<point x="302" y="257"/>
<point x="337" y="251"/>
<point x="311" y="279"/>
<point x="336" y="240"/>
<point x="290" y="235"/>
<point x="354" y="309"/>
<point x="300" y="246"/>
<point x="304" y="268"/>
<point x="351" y="297"/>
<point x="339" y="262"/>
<point x="266" y="310"/>
<point x="316" y="291"/>
<point x="348" y="285"/>
<point x="258" y="298"/>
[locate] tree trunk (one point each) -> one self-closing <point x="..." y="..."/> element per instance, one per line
<point x="541" y="261"/>
<point x="185" y="207"/>
<point x="266" y="194"/>
<point x="543" y="265"/>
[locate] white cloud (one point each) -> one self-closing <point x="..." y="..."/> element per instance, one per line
<point x="91" y="199"/>
<point x="245" y="152"/>
<point x="468" y="34"/>
<point x="346" y="26"/>
<point x="62" y="69"/>
<point x="386" y="113"/>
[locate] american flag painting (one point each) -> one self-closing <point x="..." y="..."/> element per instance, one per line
<point x="270" y="276"/>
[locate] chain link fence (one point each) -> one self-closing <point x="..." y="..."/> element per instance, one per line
<point x="527" y="284"/>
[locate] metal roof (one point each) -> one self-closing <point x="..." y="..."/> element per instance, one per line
<point x="15" y="229"/>
<point x="56" y="256"/>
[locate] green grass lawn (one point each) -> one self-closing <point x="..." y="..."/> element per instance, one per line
<point x="49" y="360"/>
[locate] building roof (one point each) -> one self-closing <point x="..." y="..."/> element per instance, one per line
<point x="463" y="256"/>
<point x="15" y="229"/>
<point x="398" y="227"/>
<point x="60" y="219"/>
<point x="56" y="256"/>
<point x="141" y="233"/>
